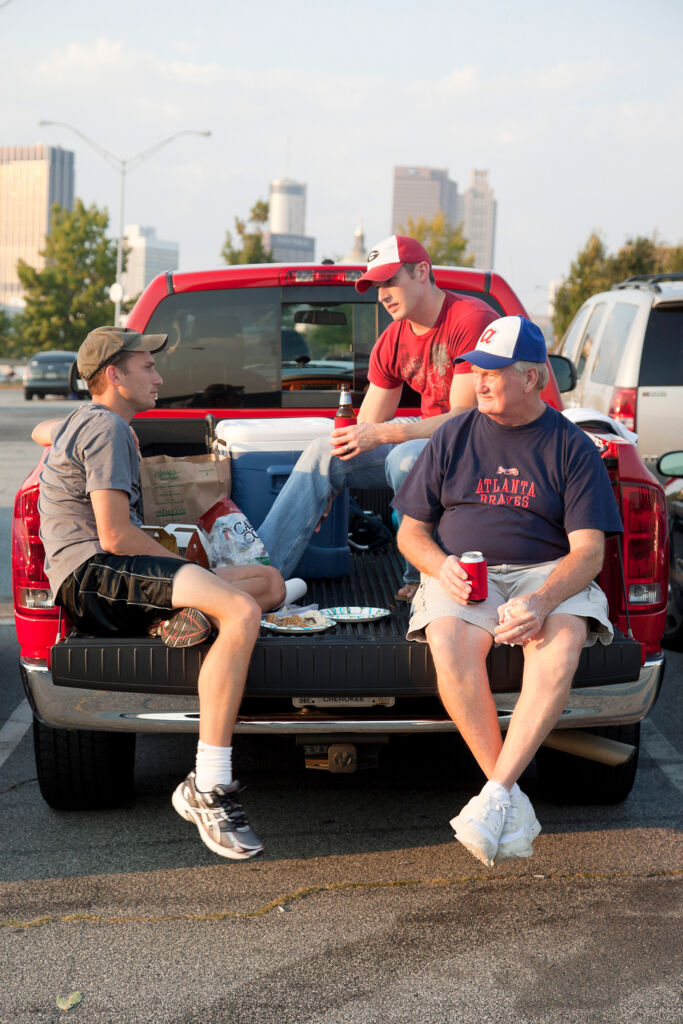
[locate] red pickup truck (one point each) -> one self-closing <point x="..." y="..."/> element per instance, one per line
<point x="276" y="341"/>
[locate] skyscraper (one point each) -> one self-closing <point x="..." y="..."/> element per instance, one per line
<point x="477" y="211"/>
<point x="147" y="257"/>
<point x="287" y="239"/>
<point x="422" y="192"/>
<point x="32" y="178"/>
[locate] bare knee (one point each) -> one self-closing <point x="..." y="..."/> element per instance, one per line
<point x="239" y="617"/>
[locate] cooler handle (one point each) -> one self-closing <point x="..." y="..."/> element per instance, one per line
<point x="278" y="474"/>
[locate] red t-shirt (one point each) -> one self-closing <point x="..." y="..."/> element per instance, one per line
<point x="425" y="361"/>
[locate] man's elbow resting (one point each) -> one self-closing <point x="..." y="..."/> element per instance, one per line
<point x="115" y="544"/>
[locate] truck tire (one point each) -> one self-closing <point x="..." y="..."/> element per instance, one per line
<point x="566" y="778"/>
<point x="79" y="769"/>
<point x="28" y="395"/>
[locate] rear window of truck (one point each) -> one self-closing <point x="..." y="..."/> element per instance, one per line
<point x="270" y="347"/>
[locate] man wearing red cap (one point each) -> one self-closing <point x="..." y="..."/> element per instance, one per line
<point x="431" y="329"/>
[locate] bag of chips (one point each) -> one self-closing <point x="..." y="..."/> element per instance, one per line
<point x="229" y="538"/>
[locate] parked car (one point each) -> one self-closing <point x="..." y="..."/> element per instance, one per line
<point x="341" y="694"/>
<point x="627" y="346"/>
<point x="670" y="466"/>
<point x="49" y="373"/>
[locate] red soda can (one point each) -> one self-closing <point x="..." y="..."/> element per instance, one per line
<point x="474" y="564"/>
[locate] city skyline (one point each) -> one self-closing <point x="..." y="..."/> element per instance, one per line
<point x="577" y="136"/>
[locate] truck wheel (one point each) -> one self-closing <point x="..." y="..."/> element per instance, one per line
<point x="28" y="395"/>
<point x="566" y="778"/>
<point x="82" y="770"/>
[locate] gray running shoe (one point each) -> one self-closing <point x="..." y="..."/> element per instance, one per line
<point x="185" y="628"/>
<point x="480" y="824"/>
<point x="219" y="817"/>
<point x="520" y="829"/>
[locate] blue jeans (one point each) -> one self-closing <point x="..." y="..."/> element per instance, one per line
<point x="287" y="529"/>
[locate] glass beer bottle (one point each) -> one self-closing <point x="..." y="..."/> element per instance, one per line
<point x="344" y="416"/>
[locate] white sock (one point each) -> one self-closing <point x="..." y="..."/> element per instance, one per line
<point x="213" y="766"/>
<point x="496" y="789"/>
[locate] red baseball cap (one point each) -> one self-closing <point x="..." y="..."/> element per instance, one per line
<point x="389" y="256"/>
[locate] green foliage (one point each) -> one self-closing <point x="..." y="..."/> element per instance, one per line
<point x="595" y="270"/>
<point x="249" y="247"/>
<point x="10" y="345"/>
<point x="69" y="297"/>
<point x="445" y="243"/>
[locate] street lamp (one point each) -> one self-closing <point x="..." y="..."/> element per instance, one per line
<point x="122" y="166"/>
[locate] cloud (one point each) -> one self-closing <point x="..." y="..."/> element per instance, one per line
<point x="77" y="60"/>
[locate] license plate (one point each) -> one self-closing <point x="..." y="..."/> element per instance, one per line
<point x="51" y="376"/>
<point x="343" y="702"/>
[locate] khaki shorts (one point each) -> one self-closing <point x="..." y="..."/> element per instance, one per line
<point x="506" y="582"/>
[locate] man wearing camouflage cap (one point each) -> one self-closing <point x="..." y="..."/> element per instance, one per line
<point x="112" y="578"/>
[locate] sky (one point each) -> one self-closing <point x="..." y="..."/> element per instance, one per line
<point x="574" y="108"/>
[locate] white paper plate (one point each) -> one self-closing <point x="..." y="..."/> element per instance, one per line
<point x="318" y="622"/>
<point x="355" y="613"/>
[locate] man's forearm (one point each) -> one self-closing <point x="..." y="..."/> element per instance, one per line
<point x="572" y="574"/>
<point x="420" y="548"/>
<point x="395" y="433"/>
<point x="131" y="540"/>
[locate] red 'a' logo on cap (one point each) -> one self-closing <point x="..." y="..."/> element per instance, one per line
<point x="488" y="336"/>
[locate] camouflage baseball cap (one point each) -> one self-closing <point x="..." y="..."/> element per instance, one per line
<point x="104" y="343"/>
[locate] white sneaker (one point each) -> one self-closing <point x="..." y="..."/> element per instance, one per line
<point x="294" y="589"/>
<point x="519" y="830"/>
<point x="480" y="823"/>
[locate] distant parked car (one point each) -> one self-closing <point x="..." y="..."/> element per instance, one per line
<point x="670" y="466"/>
<point x="49" y="373"/>
<point x="627" y="346"/>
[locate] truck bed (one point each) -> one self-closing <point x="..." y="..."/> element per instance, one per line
<point x="347" y="660"/>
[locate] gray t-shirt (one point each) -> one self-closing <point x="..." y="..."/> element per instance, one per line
<point x="93" y="450"/>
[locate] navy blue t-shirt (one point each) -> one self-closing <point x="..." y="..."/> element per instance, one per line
<point x="513" y="493"/>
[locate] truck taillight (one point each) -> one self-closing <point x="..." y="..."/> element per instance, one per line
<point x="646" y="544"/>
<point x="622" y="406"/>
<point x="31" y="588"/>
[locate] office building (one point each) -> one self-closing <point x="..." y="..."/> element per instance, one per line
<point x="477" y="211"/>
<point x="148" y="256"/>
<point x="32" y="178"/>
<point x="287" y="238"/>
<point x="422" y="192"/>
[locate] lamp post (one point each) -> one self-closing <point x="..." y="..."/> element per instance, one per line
<point x="122" y="166"/>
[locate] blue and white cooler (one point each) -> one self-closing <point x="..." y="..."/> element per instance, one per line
<point x="263" y="453"/>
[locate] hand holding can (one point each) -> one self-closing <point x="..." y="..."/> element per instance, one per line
<point x="474" y="564"/>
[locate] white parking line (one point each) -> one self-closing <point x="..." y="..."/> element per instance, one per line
<point x="14" y="730"/>
<point x="664" y="753"/>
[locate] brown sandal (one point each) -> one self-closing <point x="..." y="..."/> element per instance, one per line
<point x="407" y="592"/>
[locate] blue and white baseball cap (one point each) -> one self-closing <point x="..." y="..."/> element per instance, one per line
<point x="508" y="340"/>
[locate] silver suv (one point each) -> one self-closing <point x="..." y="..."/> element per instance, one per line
<point x="627" y="347"/>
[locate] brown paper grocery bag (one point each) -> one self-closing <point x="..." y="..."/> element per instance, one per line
<point x="180" y="490"/>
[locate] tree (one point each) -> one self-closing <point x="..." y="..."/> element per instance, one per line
<point x="595" y="270"/>
<point x="445" y="243"/>
<point x="589" y="273"/>
<point x="69" y="297"/>
<point x="9" y="344"/>
<point x="250" y="247"/>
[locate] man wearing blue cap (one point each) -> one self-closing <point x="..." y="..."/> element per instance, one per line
<point x="516" y="480"/>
